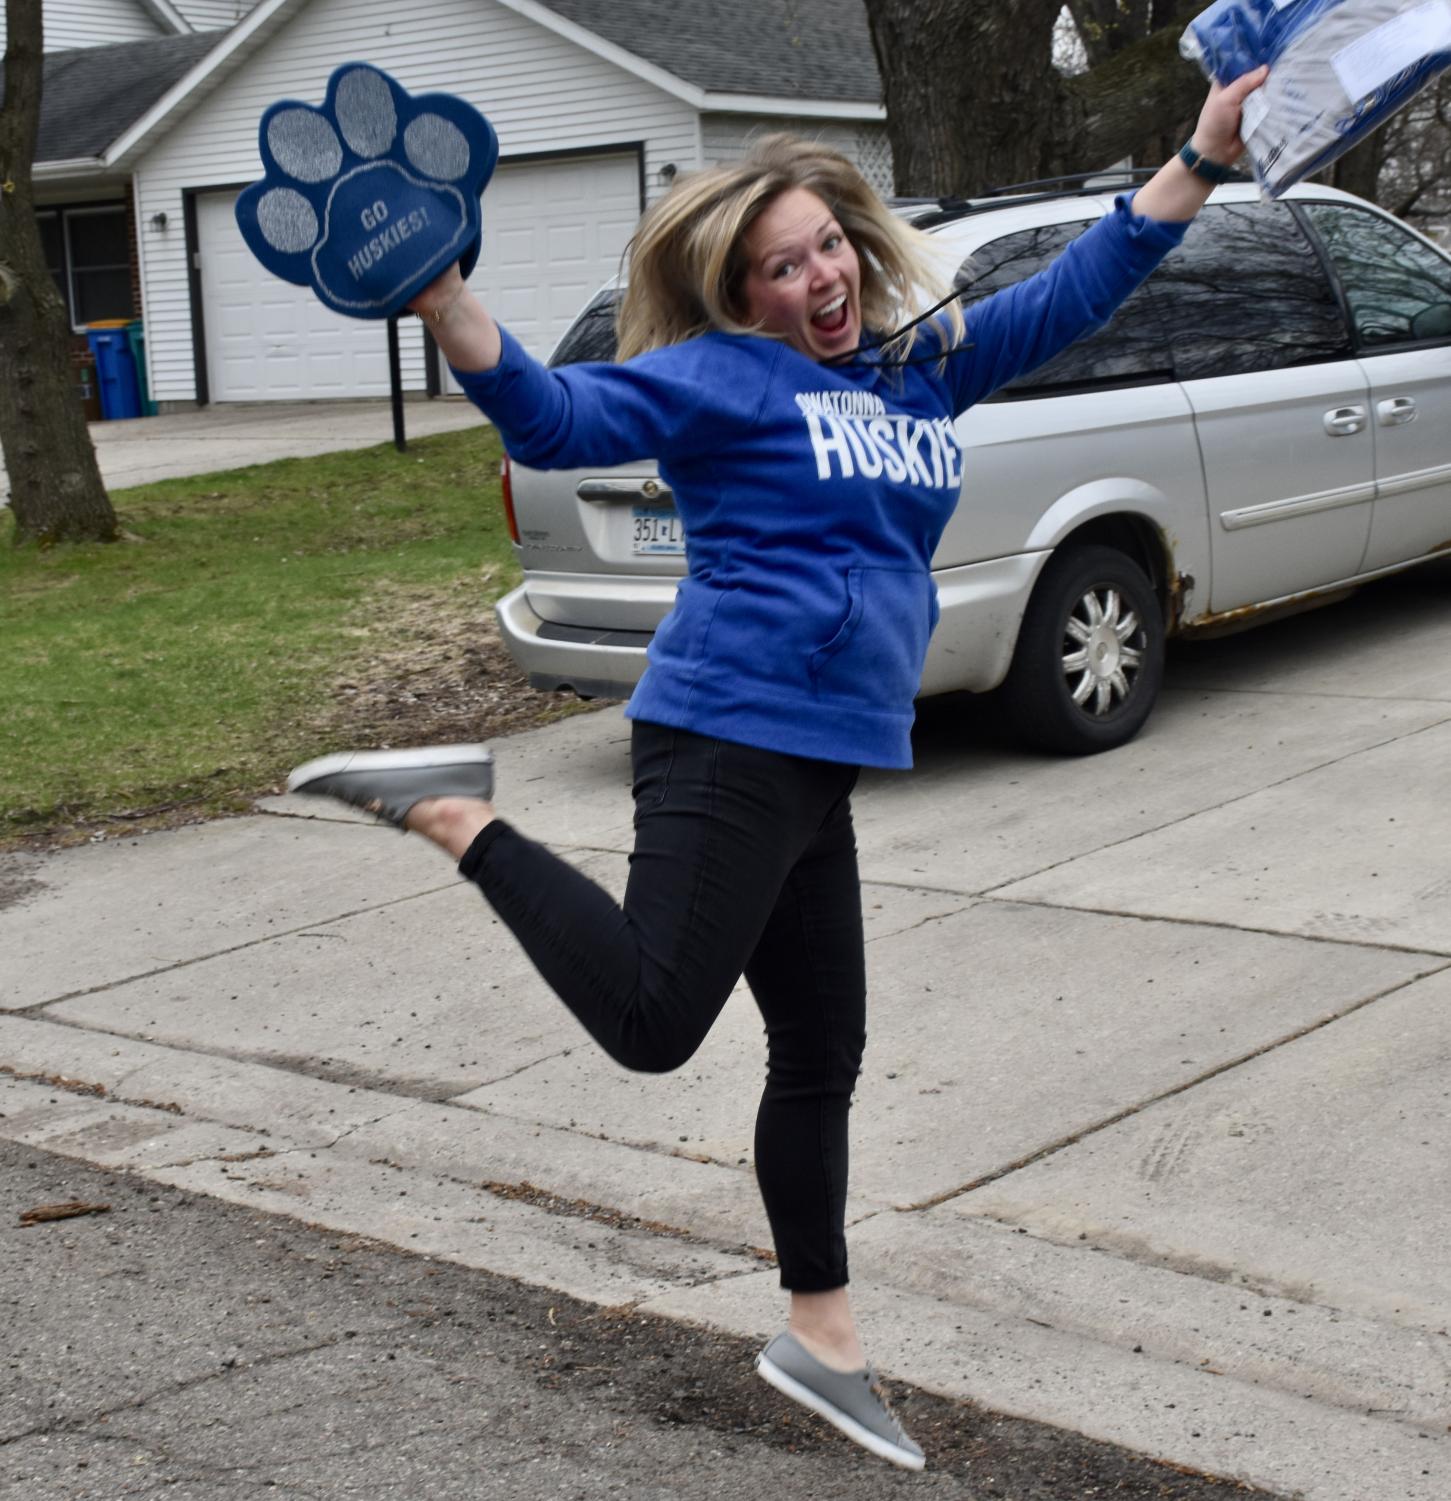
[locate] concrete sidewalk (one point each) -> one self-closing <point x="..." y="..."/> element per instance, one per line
<point x="232" y="436"/>
<point x="1152" y="1140"/>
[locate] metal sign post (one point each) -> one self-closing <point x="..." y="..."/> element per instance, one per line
<point x="395" y="382"/>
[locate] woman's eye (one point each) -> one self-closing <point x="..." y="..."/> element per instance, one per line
<point x="831" y="242"/>
<point x="784" y="269"/>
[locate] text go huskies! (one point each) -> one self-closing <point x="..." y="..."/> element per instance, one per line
<point x="853" y="433"/>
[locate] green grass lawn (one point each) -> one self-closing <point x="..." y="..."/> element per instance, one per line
<point x="195" y="661"/>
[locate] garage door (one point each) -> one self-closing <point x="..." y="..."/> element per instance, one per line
<point x="554" y="232"/>
<point x="270" y="341"/>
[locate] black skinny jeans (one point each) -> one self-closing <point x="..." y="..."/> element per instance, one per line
<point x="744" y="863"/>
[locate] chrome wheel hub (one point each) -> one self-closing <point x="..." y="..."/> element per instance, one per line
<point x="1103" y="650"/>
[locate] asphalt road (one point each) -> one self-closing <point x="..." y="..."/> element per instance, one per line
<point x="176" y="1346"/>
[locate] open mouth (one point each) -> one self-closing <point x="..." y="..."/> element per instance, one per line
<point x="831" y="317"/>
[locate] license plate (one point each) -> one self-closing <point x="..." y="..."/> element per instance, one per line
<point x="655" y="531"/>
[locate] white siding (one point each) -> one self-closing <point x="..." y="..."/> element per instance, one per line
<point x="542" y="93"/>
<point x="727" y="138"/>
<point x="92" y="23"/>
<point x="212" y="15"/>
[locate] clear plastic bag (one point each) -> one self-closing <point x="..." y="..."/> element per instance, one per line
<point x="1338" y="68"/>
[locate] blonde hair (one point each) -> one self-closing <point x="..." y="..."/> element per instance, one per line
<point x="688" y="263"/>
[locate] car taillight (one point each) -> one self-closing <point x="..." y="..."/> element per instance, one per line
<point x="508" y="489"/>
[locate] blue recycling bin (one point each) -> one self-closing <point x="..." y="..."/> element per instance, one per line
<point x="115" y="370"/>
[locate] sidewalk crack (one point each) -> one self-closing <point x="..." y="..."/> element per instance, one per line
<point x="313" y="929"/>
<point x="965" y="905"/>
<point x="1377" y="945"/>
<point x="513" y="1073"/>
<point x="1215" y="807"/>
<point x="83" y="1424"/>
<point x="1074" y="1138"/>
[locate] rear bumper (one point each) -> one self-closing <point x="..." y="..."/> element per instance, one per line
<point x="982" y="608"/>
<point x="592" y="663"/>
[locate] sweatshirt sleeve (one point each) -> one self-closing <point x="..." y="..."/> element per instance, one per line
<point x="1023" y="326"/>
<point x="657" y="406"/>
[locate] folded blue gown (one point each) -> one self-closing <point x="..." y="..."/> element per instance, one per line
<point x="371" y="197"/>
<point x="1338" y="69"/>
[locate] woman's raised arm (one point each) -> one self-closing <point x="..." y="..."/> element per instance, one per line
<point x="459" y="322"/>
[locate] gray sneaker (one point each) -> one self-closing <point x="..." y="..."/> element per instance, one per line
<point x="388" y="783"/>
<point x="850" y="1400"/>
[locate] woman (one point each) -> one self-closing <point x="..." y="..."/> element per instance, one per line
<point x="814" y="465"/>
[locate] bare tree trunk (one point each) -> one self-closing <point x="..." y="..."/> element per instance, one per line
<point x="56" y="493"/>
<point x="973" y="100"/>
<point x="965" y="84"/>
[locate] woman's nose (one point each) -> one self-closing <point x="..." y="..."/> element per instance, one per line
<point x="821" y="271"/>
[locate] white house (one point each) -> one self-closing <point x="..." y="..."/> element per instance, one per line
<point x="598" y="105"/>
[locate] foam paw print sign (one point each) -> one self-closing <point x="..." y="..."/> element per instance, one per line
<point x="372" y="196"/>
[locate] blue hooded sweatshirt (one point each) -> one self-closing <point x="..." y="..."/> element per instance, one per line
<point x="812" y="497"/>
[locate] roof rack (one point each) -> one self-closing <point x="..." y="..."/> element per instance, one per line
<point x="1080" y="184"/>
<point x="1076" y="182"/>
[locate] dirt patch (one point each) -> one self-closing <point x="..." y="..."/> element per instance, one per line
<point x="17" y="880"/>
<point x="433" y="671"/>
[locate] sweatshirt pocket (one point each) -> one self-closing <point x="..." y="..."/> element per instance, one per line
<point x="877" y="652"/>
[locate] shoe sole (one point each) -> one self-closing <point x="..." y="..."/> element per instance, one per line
<point x="883" y="1448"/>
<point x="399" y="760"/>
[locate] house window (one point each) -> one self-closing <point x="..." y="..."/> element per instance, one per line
<point x="87" y="252"/>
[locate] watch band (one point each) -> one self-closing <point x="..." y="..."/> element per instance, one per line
<point x="1201" y="166"/>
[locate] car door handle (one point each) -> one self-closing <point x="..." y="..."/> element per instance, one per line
<point x="604" y="492"/>
<point x="1395" y="411"/>
<point x="1345" y="420"/>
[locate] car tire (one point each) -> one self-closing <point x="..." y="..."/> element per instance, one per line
<point x="1090" y="654"/>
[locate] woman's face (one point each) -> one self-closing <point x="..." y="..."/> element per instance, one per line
<point x="803" y="279"/>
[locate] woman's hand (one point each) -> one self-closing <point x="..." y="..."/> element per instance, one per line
<point x="459" y="323"/>
<point x="1217" y="135"/>
<point x="1174" y="193"/>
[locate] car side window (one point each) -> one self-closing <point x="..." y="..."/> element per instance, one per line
<point x="1246" y="292"/>
<point x="1128" y="350"/>
<point x="592" y="335"/>
<point x="1398" y="288"/>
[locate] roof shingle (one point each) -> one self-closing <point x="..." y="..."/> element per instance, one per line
<point x="787" y="49"/>
<point x="91" y="95"/>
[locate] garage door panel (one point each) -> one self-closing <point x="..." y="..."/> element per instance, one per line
<point x="569" y="243"/>
<point x="240" y="371"/>
<point x="566" y="299"/>
<point x="268" y="340"/>
<point x="275" y="321"/>
<point x="514" y="247"/>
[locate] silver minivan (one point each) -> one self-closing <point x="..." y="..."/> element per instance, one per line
<point x="1265" y="424"/>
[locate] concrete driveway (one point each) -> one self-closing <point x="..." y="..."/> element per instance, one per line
<point x="1153" y="1139"/>
<point x="231" y="436"/>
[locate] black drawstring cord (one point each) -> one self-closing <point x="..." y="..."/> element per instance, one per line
<point x="921" y="359"/>
<point x="848" y="357"/>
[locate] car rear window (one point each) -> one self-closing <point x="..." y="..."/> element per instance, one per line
<point x="592" y="335"/>
<point x="1129" y="349"/>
